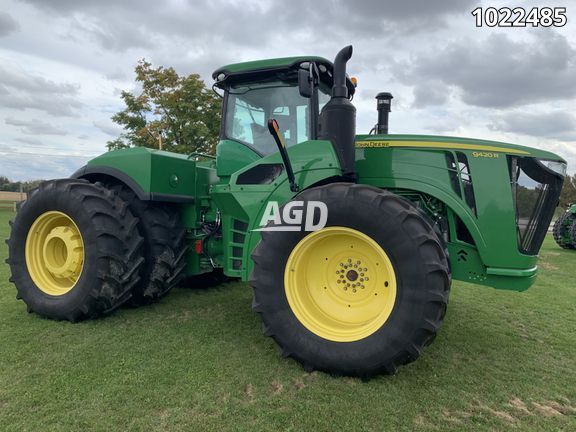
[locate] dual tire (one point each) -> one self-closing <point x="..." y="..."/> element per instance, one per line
<point x="79" y="250"/>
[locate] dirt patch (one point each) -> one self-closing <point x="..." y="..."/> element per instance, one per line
<point x="299" y="384"/>
<point x="519" y="405"/>
<point x="564" y="409"/>
<point x="512" y="413"/>
<point x="547" y="266"/>
<point x="546" y="410"/>
<point x="163" y="415"/>
<point x="420" y="420"/>
<point x="277" y="387"/>
<point x="503" y="415"/>
<point x="521" y="330"/>
<point x="451" y="417"/>
<point x="249" y="392"/>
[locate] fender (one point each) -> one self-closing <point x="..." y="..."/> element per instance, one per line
<point x="153" y="175"/>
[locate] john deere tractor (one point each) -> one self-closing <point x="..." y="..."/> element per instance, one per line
<point x="350" y="242"/>
<point x="564" y="229"/>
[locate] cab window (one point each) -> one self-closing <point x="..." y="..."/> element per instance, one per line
<point x="250" y="106"/>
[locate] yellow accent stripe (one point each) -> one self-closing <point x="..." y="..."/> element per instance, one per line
<point x="439" y="145"/>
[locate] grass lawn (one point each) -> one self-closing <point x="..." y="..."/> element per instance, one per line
<point x="197" y="361"/>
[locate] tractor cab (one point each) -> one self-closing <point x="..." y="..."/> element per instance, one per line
<point x="290" y="90"/>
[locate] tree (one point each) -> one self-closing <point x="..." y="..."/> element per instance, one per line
<point x="5" y="183"/>
<point x="172" y="112"/>
<point x="568" y="194"/>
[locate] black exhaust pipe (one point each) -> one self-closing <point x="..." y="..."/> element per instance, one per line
<point x="338" y="117"/>
<point x="339" y="88"/>
<point x="384" y="106"/>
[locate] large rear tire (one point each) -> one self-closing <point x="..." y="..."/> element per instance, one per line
<point x="164" y="246"/>
<point x="359" y="297"/>
<point x="74" y="250"/>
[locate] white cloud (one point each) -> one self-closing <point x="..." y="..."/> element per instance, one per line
<point x="35" y="127"/>
<point x="64" y="62"/>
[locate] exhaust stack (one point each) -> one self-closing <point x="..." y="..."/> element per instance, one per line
<point x="338" y="117"/>
<point x="384" y="106"/>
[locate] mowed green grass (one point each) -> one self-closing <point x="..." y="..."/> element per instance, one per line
<point x="197" y="361"/>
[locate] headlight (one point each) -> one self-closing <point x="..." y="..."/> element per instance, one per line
<point x="556" y="166"/>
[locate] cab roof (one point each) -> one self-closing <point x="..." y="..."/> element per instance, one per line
<point x="269" y="64"/>
<point x="237" y="70"/>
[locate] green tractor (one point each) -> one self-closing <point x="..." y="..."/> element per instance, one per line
<point x="564" y="229"/>
<point x="350" y="242"/>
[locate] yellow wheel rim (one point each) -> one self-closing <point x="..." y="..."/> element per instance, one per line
<point x="54" y="253"/>
<point x="340" y="284"/>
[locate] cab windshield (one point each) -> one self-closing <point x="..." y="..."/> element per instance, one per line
<point x="250" y="106"/>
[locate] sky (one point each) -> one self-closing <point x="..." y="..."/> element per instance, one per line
<point x="64" y="63"/>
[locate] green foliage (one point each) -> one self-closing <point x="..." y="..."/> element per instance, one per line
<point x="7" y="185"/>
<point x="171" y="112"/>
<point x="568" y="195"/>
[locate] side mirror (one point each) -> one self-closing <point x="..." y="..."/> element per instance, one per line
<point x="304" y="83"/>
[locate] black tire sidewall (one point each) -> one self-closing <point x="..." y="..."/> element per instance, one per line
<point x="381" y="223"/>
<point x="71" y="204"/>
<point x="162" y="230"/>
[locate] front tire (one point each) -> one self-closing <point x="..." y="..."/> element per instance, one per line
<point x="359" y="297"/>
<point x="74" y="250"/>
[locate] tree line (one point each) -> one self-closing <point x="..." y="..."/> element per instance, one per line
<point x="16" y="186"/>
